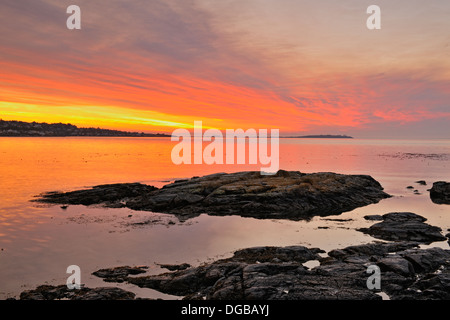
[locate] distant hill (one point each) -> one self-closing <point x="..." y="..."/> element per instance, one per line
<point x="323" y="136"/>
<point x="36" y="129"/>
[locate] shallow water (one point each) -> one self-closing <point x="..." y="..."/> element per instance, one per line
<point x="38" y="242"/>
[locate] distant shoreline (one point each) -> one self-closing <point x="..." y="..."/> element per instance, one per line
<point x="14" y="128"/>
<point x="321" y="136"/>
<point x="42" y="129"/>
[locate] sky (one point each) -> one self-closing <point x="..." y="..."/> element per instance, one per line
<point x="301" y="66"/>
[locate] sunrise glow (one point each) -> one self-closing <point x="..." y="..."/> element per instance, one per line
<point x="300" y="67"/>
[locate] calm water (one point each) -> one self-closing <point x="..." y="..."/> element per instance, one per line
<point x="38" y="241"/>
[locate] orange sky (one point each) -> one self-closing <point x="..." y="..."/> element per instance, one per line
<point x="300" y="66"/>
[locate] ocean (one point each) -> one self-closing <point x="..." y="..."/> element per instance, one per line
<point x="39" y="241"/>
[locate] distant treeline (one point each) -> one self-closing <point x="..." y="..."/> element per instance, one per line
<point x="42" y="129"/>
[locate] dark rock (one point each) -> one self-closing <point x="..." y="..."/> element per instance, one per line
<point x="409" y="187"/>
<point x="434" y="286"/>
<point x="201" y="280"/>
<point x="372" y="249"/>
<point x="109" y="194"/>
<point x="264" y="273"/>
<point x="440" y="192"/>
<point x="277" y="273"/>
<point x="174" y="267"/>
<point x="119" y="274"/>
<point x="422" y="182"/>
<point x="47" y="292"/>
<point x="374" y="217"/>
<point x="285" y="195"/>
<point x="405" y="226"/>
<point x="426" y="261"/>
<point x="273" y="273"/>
<point x="283" y="254"/>
<point x="396" y="264"/>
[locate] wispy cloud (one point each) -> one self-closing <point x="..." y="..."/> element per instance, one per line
<point x="295" y="65"/>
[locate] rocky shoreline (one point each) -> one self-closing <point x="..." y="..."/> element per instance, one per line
<point x="276" y="273"/>
<point x="285" y="195"/>
<point x="280" y="273"/>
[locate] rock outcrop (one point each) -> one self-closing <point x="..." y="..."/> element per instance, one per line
<point x="278" y="273"/>
<point x="440" y="192"/>
<point x="47" y="292"/>
<point x="405" y="226"/>
<point x="281" y="273"/>
<point x="119" y="274"/>
<point x="286" y="195"/>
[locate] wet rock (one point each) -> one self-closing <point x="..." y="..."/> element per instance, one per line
<point x="201" y="280"/>
<point x="47" y="292"/>
<point x="427" y="261"/>
<point x="433" y="282"/>
<point x="108" y="194"/>
<point x="264" y="273"/>
<point x="435" y="286"/>
<point x="396" y="264"/>
<point x="372" y="249"/>
<point x="285" y="195"/>
<point x="119" y="274"/>
<point x="406" y="226"/>
<point x="274" y="273"/>
<point x="277" y="273"/>
<point x="440" y="192"/>
<point x="374" y="217"/>
<point x="300" y="254"/>
<point x="174" y="267"/>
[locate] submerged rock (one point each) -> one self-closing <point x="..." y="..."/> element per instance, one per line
<point x="440" y="192"/>
<point x="286" y="195"/>
<point x="404" y="226"/>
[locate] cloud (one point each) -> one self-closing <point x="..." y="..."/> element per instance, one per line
<point x="296" y="65"/>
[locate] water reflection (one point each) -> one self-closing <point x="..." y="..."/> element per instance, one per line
<point x="40" y="241"/>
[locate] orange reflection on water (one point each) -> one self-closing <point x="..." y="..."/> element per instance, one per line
<point x="30" y="166"/>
